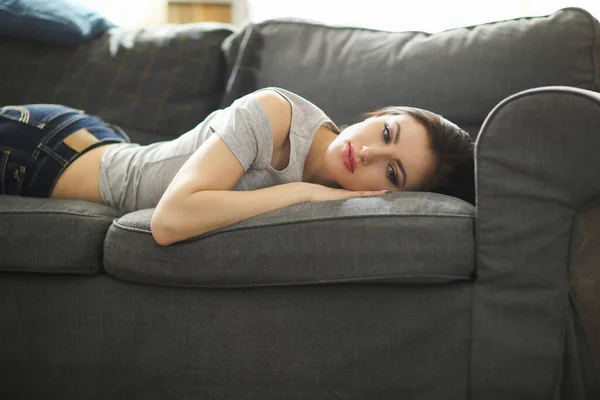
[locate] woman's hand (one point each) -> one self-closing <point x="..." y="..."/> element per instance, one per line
<point x="315" y="193"/>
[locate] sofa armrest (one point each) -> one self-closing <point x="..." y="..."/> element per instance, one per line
<point x="537" y="166"/>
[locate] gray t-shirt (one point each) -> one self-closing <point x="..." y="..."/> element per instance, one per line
<point x="134" y="177"/>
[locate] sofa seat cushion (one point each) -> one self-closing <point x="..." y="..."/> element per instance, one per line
<point x="52" y="236"/>
<point x="410" y="237"/>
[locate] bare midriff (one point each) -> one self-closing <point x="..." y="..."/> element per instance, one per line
<point x="81" y="179"/>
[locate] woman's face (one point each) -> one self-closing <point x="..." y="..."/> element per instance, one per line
<point x="386" y="152"/>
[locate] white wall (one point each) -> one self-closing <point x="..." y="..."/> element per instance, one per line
<point x="394" y="15"/>
<point x="130" y="12"/>
<point x="400" y="15"/>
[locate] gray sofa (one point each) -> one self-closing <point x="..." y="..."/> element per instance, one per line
<point x="404" y="296"/>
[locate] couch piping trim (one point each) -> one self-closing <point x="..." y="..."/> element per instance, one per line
<point x="301" y="21"/>
<point x="119" y="225"/>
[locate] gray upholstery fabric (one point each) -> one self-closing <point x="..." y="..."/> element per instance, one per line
<point x="155" y="82"/>
<point x="585" y="277"/>
<point x="52" y="236"/>
<point x="537" y="167"/>
<point x="98" y="338"/>
<point x="405" y="296"/>
<point x="403" y="237"/>
<point x="460" y="73"/>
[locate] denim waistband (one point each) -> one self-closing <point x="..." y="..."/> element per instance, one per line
<point x="39" y="141"/>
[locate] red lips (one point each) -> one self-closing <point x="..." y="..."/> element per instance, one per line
<point x="349" y="160"/>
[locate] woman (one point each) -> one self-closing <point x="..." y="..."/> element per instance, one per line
<point x="270" y="149"/>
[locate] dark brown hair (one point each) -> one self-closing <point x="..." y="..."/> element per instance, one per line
<point x="452" y="148"/>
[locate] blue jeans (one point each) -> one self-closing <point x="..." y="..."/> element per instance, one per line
<point x="39" y="141"/>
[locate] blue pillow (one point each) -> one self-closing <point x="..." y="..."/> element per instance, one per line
<point x="55" y="21"/>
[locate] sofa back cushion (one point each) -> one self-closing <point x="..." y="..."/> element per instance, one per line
<point x="460" y="73"/>
<point x="155" y="82"/>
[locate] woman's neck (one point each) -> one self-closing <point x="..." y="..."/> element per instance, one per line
<point x="315" y="170"/>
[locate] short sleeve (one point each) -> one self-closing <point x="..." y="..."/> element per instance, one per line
<point x="246" y="130"/>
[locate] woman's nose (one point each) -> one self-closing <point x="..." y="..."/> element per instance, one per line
<point x="368" y="154"/>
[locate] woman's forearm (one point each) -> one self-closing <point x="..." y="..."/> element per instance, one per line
<point x="183" y="217"/>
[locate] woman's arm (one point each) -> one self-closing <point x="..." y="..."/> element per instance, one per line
<point x="200" y="197"/>
<point x="204" y="211"/>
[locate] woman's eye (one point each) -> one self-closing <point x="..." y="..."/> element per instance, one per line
<point x="386" y="133"/>
<point x="391" y="174"/>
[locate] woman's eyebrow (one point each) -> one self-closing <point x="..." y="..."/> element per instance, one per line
<point x="400" y="166"/>
<point x="397" y="133"/>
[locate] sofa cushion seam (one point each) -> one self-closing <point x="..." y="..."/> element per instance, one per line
<point x="19" y="213"/>
<point x="317" y="282"/>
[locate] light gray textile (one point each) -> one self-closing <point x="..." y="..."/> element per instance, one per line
<point x="52" y="236"/>
<point x="537" y="167"/>
<point x="460" y="73"/>
<point x="134" y="177"/>
<point x="408" y="237"/>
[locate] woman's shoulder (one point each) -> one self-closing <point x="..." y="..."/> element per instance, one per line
<point x="279" y="112"/>
<point x="294" y="99"/>
<point x="296" y="102"/>
<point x="305" y="114"/>
<point x="270" y="100"/>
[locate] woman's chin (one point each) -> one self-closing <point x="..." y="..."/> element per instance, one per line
<point x="334" y="174"/>
<point x="343" y="184"/>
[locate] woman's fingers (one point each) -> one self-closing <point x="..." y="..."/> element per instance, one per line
<point x="372" y="192"/>
<point x="323" y="193"/>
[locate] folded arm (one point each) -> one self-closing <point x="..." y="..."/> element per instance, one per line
<point x="200" y="197"/>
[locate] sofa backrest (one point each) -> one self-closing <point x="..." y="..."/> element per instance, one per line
<point x="460" y="73"/>
<point x="158" y="82"/>
<point x="155" y="82"/>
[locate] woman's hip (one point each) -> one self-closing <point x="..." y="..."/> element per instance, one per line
<point x="39" y="141"/>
